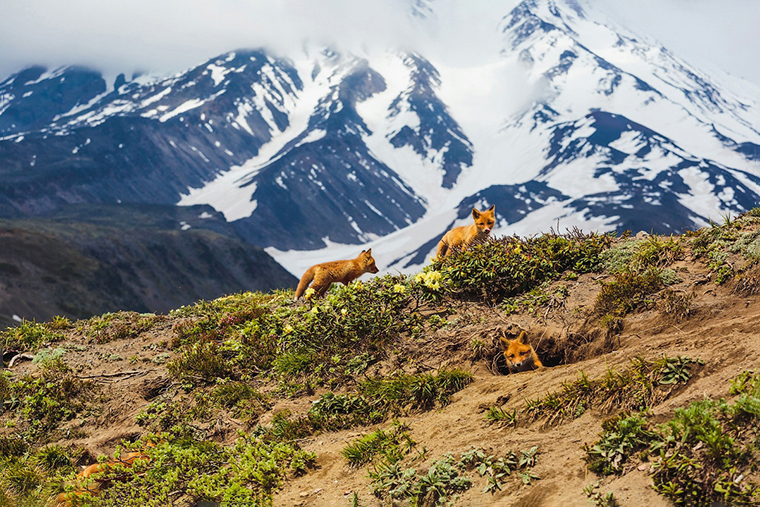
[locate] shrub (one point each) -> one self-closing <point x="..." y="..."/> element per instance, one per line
<point x="119" y="326"/>
<point x="676" y="304"/>
<point x="200" y="362"/>
<point x="29" y="335"/>
<point x="638" y="387"/>
<point x="628" y="291"/>
<point x="391" y="446"/>
<point x="41" y="403"/>
<point x="623" y="436"/>
<point x="705" y="454"/>
<point x="508" y="266"/>
<point x="247" y="472"/>
<point x="447" y="476"/>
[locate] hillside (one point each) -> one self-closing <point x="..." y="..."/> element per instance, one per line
<point x="392" y="391"/>
<point x="88" y="259"/>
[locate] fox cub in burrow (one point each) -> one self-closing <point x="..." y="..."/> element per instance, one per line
<point x="461" y="237"/>
<point x="519" y="354"/>
<point x="327" y="273"/>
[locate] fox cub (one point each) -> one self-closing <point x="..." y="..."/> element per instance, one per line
<point x="325" y="274"/>
<point x="519" y="354"/>
<point x="461" y="237"/>
<point x="92" y="485"/>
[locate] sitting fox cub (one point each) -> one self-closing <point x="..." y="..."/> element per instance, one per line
<point x="460" y="237"/>
<point x="327" y="273"/>
<point x="519" y="354"/>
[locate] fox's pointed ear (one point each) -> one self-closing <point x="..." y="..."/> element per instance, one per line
<point x="369" y="252"/>
<point x="493" y="206"/>
<point x="475" y="213"/>
<point x="521" y="338"/>
<point x="504" y="342"/>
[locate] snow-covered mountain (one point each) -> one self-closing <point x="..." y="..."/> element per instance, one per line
<point x="571" y="120"/>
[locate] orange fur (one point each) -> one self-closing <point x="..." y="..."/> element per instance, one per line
<point x="461" y="237"/>
<point x="519" y="354"/>
<point x="325" y="274"/>
<point x="92" y="485"/>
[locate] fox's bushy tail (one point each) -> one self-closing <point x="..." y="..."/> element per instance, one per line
<point x="306" y="279"/>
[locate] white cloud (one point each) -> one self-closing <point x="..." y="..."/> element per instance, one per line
<point x="171" y="35"/>
<point x="721" y="33"/>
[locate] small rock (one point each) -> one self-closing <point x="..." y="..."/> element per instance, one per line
<point x="643" y="467"/>
<point x="303" y="494"/>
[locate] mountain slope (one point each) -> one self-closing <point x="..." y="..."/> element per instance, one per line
<point x="567" y="119"/>
<point x="90" y="259"/>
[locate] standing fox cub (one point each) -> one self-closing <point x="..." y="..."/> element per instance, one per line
<point x="519" y="354"/>
<point x="461" y="237"/>
<point x="327" y="273"/>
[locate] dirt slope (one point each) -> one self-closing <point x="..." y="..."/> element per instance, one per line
<point x="721" y="329"/>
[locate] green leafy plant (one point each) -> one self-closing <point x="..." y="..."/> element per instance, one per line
<point x="30" y="335"/>
<point x="496" y="414"/>
<point x="639" y="387"/>
<point x="628" y="291"/>
<point x="509" y="266"/>
<point x="705" y="453"/>
<point x="387" y="446"/>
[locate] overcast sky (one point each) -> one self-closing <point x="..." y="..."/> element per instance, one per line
<point x="171" y="35"/>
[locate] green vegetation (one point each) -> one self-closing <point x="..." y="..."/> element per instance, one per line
<point x="724" y="247"/>
<point x="30" y="479"/>
<point x="248" y="471"/>
<point x="376" y="400"/>
<point x="640" y="386"/>
<point x="359" y="353"/>
<point x="599" y="499"/>
<point x="706" y="453"/>
<point x="447" y="476"/>
<point x="119" y="326"/>
<point x="497" y="415"/>
<point x="30" y="335"/>
<point x="41" y="403"/>
<point x="538" y="298"/>
<point x="509" y="266"/>
<point x="385" y="446"/>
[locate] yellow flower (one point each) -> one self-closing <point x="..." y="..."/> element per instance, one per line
<point x="399" y="288"/>
<point x="288" y="329"/>
<point x="343" y="311"/>
<point x="309" y="293"/>
<point x="517" y="249"/>
<point x="434" y="276"/>
<point x="315" y="310"/>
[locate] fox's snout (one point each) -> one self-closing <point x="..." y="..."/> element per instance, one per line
<point x="373" y="269"/>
